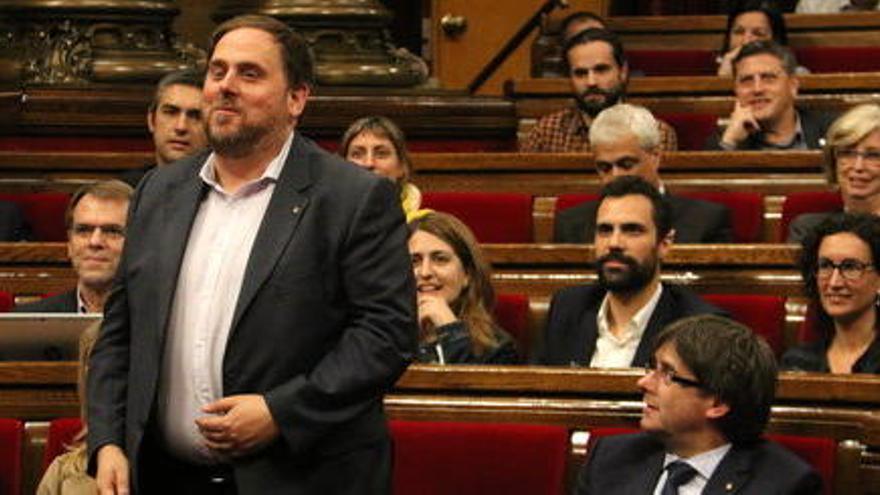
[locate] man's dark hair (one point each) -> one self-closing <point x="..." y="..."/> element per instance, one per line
<point x="769" y="9"/>
<point x="582" y="15"/>
<point x="186" y="77"/>
<point x="762" y="47"/>
<point x="109" y="189"/>
<point x="592" y="35"/>
<point x="865" y="226"/>
<point x="296" y="56"/>
<point x="733" y="364"/>
<point x="633" y="184"/>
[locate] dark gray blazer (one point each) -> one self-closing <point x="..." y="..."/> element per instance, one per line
<point x="13" y="226"/>
<point x="815" y="125"/>
<point x="325" y="322"/>
<point x="695" y="222"/>
<point x="630" y="464"/>
<point x="571" y="332"/>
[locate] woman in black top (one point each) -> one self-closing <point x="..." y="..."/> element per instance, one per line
<point x="455" y="295"/>
<point x="840" y="271"/>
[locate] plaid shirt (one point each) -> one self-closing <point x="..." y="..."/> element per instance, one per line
<point x="565" y="132"/>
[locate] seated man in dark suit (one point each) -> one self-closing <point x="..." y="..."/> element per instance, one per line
<point x="13" y="226"/>
<point x="611" y="325"/>
<point x="764" y="116"/>
<point x="96" y="218"/>
<point x="707" y="398"/>
<point x="625" y="141"/>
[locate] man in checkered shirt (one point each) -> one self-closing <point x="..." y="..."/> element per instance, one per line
<point x="597" y="68"/>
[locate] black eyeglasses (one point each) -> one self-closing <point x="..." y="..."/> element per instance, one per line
<point x="850" y="269"/>
<point x="668" y="376"/>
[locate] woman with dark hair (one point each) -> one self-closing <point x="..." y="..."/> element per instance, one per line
<point x="839" y="265"/>
<point x="455" y="295"/>
<point x="752" y="21"/>
<point x="377" y="144"/>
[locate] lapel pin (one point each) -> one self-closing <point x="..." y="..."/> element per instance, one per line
<point x="729" y="487"/>
<point x="296" y="209"/>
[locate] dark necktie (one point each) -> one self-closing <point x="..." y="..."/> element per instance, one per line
<point x="677" y="474"/>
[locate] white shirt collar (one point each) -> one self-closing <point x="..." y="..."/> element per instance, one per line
<point x="208" y="172"/>
<point x="639" y="321"/>
<point x="705" y="463"/>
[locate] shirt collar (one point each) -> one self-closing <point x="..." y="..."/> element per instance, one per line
<point x="705" y="463"/>
<point x="639" y="321"/>
<point x="797" y="141"/>
<point x="208" y="172"/>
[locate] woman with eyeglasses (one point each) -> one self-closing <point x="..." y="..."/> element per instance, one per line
<point x="852" y="163"/>
<point x="839" y="267"/>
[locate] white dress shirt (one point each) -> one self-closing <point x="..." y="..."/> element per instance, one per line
<point x="705" y="464"/>
<point x="617" y="351"/>
<point x="208" y="286"/>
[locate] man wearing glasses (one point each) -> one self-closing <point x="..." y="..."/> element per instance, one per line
<point x="95" y="218"/>
<point x="707" y="395"/>
<point x="764" y="115"/>
<point x="626" y="141"/>
<point x="612" y="324"/>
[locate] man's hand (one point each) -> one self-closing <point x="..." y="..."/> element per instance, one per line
<point x="112" y="476"/>
<point x="242" y="424"/>
<point x="742" y="123"/>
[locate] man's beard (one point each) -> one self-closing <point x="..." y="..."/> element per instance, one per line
<point x="593" y="107"/>
<point x="627" y="280"/>
<point x="236" y="144"/>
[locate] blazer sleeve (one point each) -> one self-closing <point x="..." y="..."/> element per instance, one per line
<point x="379" y="339"/>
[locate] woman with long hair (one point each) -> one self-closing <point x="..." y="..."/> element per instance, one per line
<point x="455" y="295"/>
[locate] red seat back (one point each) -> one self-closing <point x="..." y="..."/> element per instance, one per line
<point x="820" y="453"/>
<point x="11" y="441"/>
<point x="44" y="212"/>
<point x="746" y="210"/>
<point x="839" y="58"/>
<point x="810" y="330"/>
<point x="62" y="431"/>
<point x="570" y="200"/>
<point x="6" y="301"/>
<point x="765" y="315"/>
<point x="493" y="217"/>
<point x="798" y="203"/>
<point x="672" y="62"/>
<point x="692" y="129"/>
<point x="512" y="314"/>
<point x="433" y="458"/>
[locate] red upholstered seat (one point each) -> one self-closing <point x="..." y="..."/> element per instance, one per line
<point x="810" y="330"/>
<point x="692" y="129"/>
<point x="44" y="212"/>
<point x="7" y="301"/>
<point x="821" y="453"/>
<point x="434" y="458"/>
<point x="839" y="58"/>
<point x="493" y="217"/>
<point x="798" y="203"/>
<point x="512" y="314"/>
<point x="62" y="431"/>
<point x="765" y="315"/>
<point x="11" y="441"/>
<point x="746" y="209"/>
<point x="672" y="62"/>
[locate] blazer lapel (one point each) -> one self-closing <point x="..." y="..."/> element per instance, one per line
<point x="283" y="214"/>
<point x="644" y="479"/>
<point x="179" y="212"/>
<point x="731" y="474"/>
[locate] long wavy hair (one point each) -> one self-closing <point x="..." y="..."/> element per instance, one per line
<point x="474" y="304"/>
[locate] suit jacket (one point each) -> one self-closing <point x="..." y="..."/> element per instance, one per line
<point x="66" y="302"/>
<point x="630" y="464"/>
<point x="13" y="226"/>
<point x="694" y="221"/>
<point x="814" y="124"/>
<point x="571" y="332"/>
<point x="324" y="324"/>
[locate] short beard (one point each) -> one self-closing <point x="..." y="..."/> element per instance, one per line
<point x="635" y="278"/>
<point x="593" y="108"/>
<point x="238" y="144"/>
